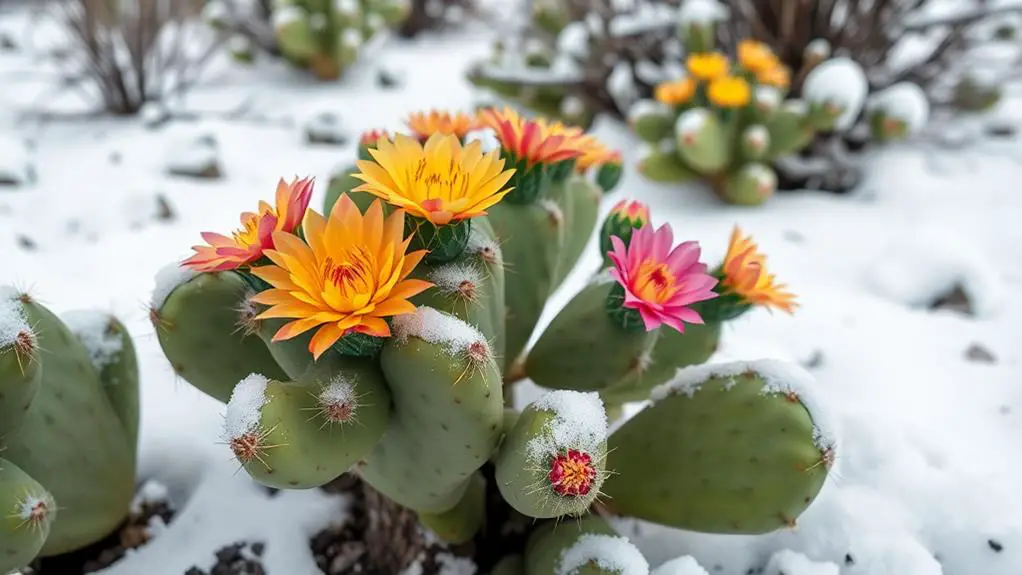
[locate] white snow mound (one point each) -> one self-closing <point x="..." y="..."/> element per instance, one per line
<point x="609" y="552"/>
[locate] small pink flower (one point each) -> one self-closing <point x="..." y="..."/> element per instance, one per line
<point x="661" y="283"/>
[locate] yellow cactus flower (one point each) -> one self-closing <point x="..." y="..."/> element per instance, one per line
<point x="729" y="92"/>
<point x="425" y="124"/>
<point x="755" y="56"/>
<point x="708" y="66"/>
<point x="746" y="274"/>
<point x="352" y="272"/>
<point x="777" y="75"/>
<point x="675" y="92"/>
<point x="440" y="180"/>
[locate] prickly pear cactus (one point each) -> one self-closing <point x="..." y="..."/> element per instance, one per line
<point x="323" y="37"/>
<point x="387" y="336"/>
<point x="68" y="428"/>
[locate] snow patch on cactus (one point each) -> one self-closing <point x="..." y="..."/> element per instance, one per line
<point x="339" y="399"/>
<point x="684" y="565"/>
<point x="702" y="12"/>
<point x="167" y="279"/>
<point x="796" y="106"/>
<point x="352" y="38"/>
<point x="347" y="7"/>
<point x="818" y="48"/>
<point x="838" y="81"/>
<point x="757" y="135"/>
<point x="453" y="335"/>
<point x="457" y="279"/>
<point x="767" y="97"/>
<point x="612" y="553"/>
<point x="286" y="15"/>
<point x="244" y="409"/>
<point x="92" y="328"/>
<point x="920" y="265"/>
<point x="34" y="508"/>
<point x="215" y="12"/>
<point x="579" y="422"/>
<point x="646" y="108"/>
<point x="788" y="562"/>
<point x="904" y="101"/>
<point x="12" y="317"/>
<point x="691" y="122"/>
<point x="574" y="40"/>
<point x="779" y="377"/>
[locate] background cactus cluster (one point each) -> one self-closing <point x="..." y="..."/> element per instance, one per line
<point x="323" y="36"/>
<point x="386" y="335"/>
<point x="68" y="428"/>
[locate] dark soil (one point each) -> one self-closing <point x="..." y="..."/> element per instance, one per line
<point x="133" y="534"/>
<point x="235" y="559"/>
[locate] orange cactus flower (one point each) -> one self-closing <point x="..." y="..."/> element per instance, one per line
<point x="533" y="141"/>
<point x="594" y="153"/>
<point x="746" y="275"/>
<point x="350" y="275"/>
<point x="777" y="75"/>
<point x="248" y="243"/>
<point x="755" y="56"/>
<point x="440" y="180"/>
<point x="675" y="92"/>
<point x="370" y="137"/>
<point x="425" y="124"/>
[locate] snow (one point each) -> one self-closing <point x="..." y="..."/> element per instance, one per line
<point x="684" y="565"/>
<point x="92" y="328"/>
<point x="779" y="377"/>
<point x="12" y="317"/>
<point x="768" y="97"/>
<point x="284" y="15"/>
<point x="339" y="392"/>
<point x="691" y="122"/>
<point x="927" y="436"/>
<point x="839" y="81"/>
<point x="574" y="40"/>
<point x="245" y="407"/>
<point x="579" y="422"/>
<point x="702" y="12"/>
<point x="904" y="101"/>
<point x="152" y="491"/>
<point x="192" y="154"/>
<point x="644" y="108"/>
<point x="818" y="48"/>
<point x="787" y="562"/>
<point x="456" y="278"/>
<point x="167" y="279"/>
<point x="453" y="335"/>
<point x="611" y="553"/>
<point x="15" y="165"/>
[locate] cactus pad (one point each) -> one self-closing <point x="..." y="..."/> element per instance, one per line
<point x="586" y="547"/>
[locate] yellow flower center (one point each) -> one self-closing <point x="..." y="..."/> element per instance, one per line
<point x="707" y="67"/>
<point x="654" y="283"/>
<point x="729" y="92"/>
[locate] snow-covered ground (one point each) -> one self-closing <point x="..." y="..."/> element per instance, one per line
<point x="931" y="435"/>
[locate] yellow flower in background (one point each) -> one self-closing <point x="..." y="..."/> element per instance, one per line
<point x="707" y="66"/>
<point x="349" y="273"/>
<point x="440" y="180"/>
<point x="777" y="75"/>
<point x="675" y="92"/>
<point x="729" y="92"/>
<point x="425" y="124"/>
<point x="755" y="56"/>
<point x="746" y="274"/>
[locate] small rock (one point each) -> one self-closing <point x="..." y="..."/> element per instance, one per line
<point x="326" y="128"/>
<point x="995" y="545"/>
<point x="154" y="115"/>
<point x="979" y="354"/>
<point x="7" y="43"/>
<point x="115" y="158"/>
<point x="164" y="210"/>
<point x="26" y="243"/>
<point x="198" y="157"/>
<point x="387" y="79"/>
<point x="1000" y="129"/>
<point x="814" y="361"/>
<point x="794" y="237"/>
<point x="954" y="300"/>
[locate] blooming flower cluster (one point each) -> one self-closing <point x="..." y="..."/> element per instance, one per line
<point x="349" y="272"/>
<point x="711" y="77"/>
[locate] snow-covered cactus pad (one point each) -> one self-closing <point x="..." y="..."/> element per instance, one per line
<point x="68" y="428"/>
<point x="385" y="338"/>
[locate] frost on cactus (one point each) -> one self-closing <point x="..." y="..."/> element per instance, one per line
<point x="684" y="565"/>
<point x="610" y="554"/>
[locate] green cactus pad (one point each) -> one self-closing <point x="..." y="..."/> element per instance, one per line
<point x="296" y="40"/>
<point x="551" y="463"/>
<point x="672" y="351"/>
<point x="531" y="237"/>
<point x="300" y="435"/>
<point x="584" y="349"/>
<point x="609" y="175"/>
<point x="789" y="130"/>
<point x="113" y="357"/>
<point x="26" y="512"/>
<point x="204" y="327"/>
<point x="584" y="198"/>
<point x="290" y="355"/>
<point x="588" y="546"/>
<point x="737" y="448"/>
<point x="343" y="182"/>
<point x="444" y="243"/>
<point x="460" y="524"/>
<point x="651" y="121"/>
<point x="20" y="367"/>
<point x="72" y="441"/>
<point x="701" y="141"/>
<point x="448" y="411"/>
<point x="665" y="166"/>
<point x="751" y="185"/>
<point x="509" y="565"/>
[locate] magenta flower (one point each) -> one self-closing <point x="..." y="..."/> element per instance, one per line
<point x="661" y="283"/>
